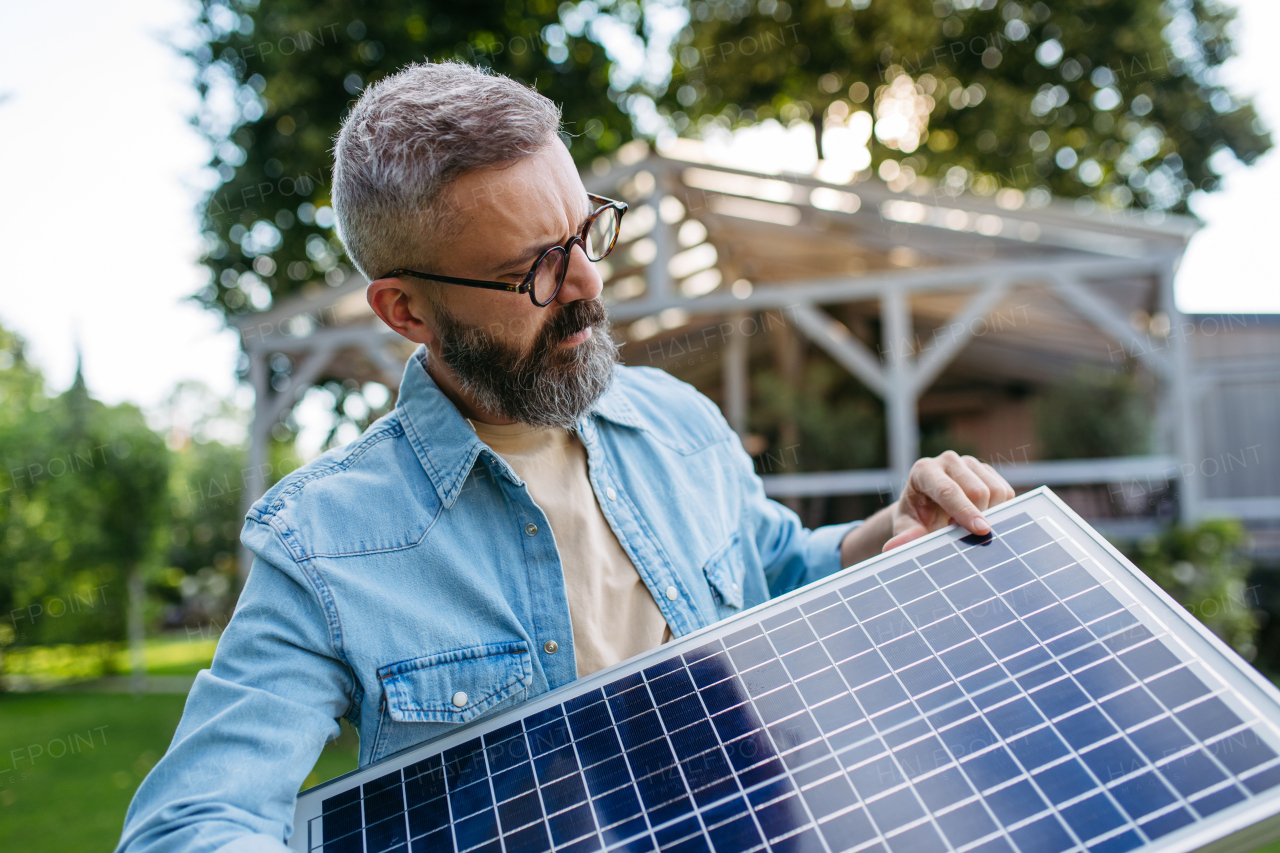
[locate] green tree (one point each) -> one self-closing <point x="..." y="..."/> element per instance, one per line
<point x="1094" y="414"/>
<point x="1113" y="99"/>
<point x="83" y="503"/>
<point x="277" y="79"/>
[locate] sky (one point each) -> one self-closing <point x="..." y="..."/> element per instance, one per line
<point x="101" y="175"/>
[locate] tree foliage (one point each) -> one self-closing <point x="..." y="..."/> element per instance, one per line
<point x="1118" y="100"/>
<point x="276" y="81"/>
<point x="83" y="500"/>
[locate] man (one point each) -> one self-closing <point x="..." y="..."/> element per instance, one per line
<point x="531" y="512"/>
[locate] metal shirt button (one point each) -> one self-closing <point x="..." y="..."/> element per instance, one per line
<point x="460" y="699"/>
<point x="550" y="647"/>
<point x="531" y="529"/>
<point x="611" y="494"/>
<point x="672" y="594"/>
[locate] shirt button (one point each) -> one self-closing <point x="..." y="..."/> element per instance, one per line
<point x="672" y="595"/>
<point x="531" y="529"/>
<point x="460" y="699"/>
<point x="611" y="494"/>
<point x="551" y="647"/>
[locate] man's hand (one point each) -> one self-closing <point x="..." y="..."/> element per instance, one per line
<point x="947" y="487"/>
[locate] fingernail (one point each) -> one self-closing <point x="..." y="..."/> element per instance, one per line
<point x="981" y="524"/>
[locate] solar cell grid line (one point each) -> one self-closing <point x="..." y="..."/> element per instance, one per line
<point x="1025" y="691"/>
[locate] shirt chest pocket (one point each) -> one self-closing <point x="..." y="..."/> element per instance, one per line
<point x="456" y="686"/>
<point x="726" y="572"/>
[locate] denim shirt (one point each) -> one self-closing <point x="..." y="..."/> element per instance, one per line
<point x="409" y="583"/>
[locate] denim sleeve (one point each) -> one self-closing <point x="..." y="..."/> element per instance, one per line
<point x="252" y="728"/>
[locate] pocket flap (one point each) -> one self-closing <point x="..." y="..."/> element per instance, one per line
<point x="725" y="572"/>
<point x="455" y="686"/>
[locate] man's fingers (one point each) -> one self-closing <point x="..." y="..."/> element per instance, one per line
<point x="942" y="483"/>
<point x="999" y="488"/>
<point x="903" y="538"/>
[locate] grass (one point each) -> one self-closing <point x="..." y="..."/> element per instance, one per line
<point x="87" y="753"/>
<point x="51" y="665"/>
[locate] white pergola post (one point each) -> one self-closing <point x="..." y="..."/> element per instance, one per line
<point x="734" y="370"/>
<point x="900" y="397"/>
<point x="1183" y="396"/>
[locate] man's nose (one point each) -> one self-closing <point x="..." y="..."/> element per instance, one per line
<point x="581" y="280"/>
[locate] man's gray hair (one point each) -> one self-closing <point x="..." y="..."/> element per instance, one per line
<point x="408" y="137"/>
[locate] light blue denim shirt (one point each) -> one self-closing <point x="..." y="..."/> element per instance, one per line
<point x="410" y="571"/>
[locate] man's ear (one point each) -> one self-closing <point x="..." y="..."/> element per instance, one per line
<point x="400" y="308"/>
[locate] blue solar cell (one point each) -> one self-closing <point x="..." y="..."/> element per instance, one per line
<point x="650" y="758"/>
<point x="1161" y="739"/>
<point x="924" y="676"/>
<point x="671" y="687"/>
<point x="1030" y="658"/>
<point x="475" y="830"/>
<point x="468" y="799"/>
<point x="1092" y="817"/>
<point x="1192" y="772"/>
<point x="1029" y="598"/>
<point x="711" y="669"/>
<point x="1037" y="748"/>
<point x="1264" y="781"/>
<point x="943" y="789"/>
<point x="1131" y="637"/>
<point x="1004" y="525"/>
<point x="928" y="610"/>
<point x="821" y="686"/>
<point x="1026" y="538"/>
<point x="385" y="836"/>
<point x="831" y="619"/>
<point x="685" y="711"/>
<point x="1177" y="688"/>
<point x="1132" y="707"/>
<point x="990" y="768"/>
<point x="639" y="730"/>
<point x="908" y="587"/>
<point x="1008" y="576"/>
<point x="1122" y="843"/>
<point x="1241" y="751"/>
<point x="807" y="660"/>
<point x="949" y="570"/>
<point x="428" y="817"/>
<point x="965" y="824"/>
<point x="606" y="776"/>
<point x="905" y="651"/>
<point x="783" y="816"/>
<point x="1067" y="642"/>
<point x="1012" y="719"/>
<point x="1113" y="760"/>
<point x="1009" y="640"/>
<point x="988" y="553"/>
<point x="762" y="679"/>
<point x="719" y="696"/>
<point x="1059" y="698"/>
<point x="1091" y="605"/>
<point x="879" y="695"/>
<point x="875" y="777"/>
<point x="847" y="643"/>
<point x="1048" y="559"/>
<point x="922" y="757"/>
<point x="1085" y="728"/>
<point x="1040" y="675"/>
<point x="1103" y="679"/>
<point x="779" y="704"/>
<point x="1149" y="659"/>
<point x="1110" y="624"/>
<point x="1070" y="581"/>
<point x="564" y="793"/>
<point x="792" y="636"/>
<point x="888" y="627"/>
<point x="1051" y="622"/>
<point x="519" y="812"/>
<point x="918" y="839"/>
<point x="531" y="839"/>
<point x="549" y="737"/>
<point x="1210" y="717"/>
<point x="968" y="592"/>
<point x="1143" y="794"/>
<point x="894" y="810"/>
<point x="966" y="658"/>
<point x="870" y="604"/>
<point x="1167" y="823"/>
<point x="1015" y="802"/>
<point x="830" y="796"/>
<point x="1063" y="781"/>
<point x="1046" y="835"/>
<point x="988" y="615"/>
<point x="863" y="669"/>
<point x="1218" y="800"/>
<point x="571" y="825"/>
<point x="600" y="746"/>
<point x="846" y="830"/>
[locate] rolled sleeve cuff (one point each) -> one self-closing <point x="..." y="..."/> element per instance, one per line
<point x="824" y="549"/>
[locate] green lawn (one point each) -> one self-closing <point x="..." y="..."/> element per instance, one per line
<point x="60" y="798"/>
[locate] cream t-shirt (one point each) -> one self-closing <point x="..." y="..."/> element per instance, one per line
<point x="612" y="612"/>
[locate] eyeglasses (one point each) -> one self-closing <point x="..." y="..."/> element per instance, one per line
<point x="544" y="279"/>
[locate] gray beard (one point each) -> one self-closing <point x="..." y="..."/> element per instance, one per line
<point x="547" y="386"/>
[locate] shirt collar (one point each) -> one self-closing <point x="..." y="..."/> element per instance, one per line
<point x="445" y="443"/>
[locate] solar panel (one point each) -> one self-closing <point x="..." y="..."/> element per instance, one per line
<point x="1025" y="691"/>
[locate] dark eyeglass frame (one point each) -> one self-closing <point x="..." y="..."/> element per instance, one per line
<point x="526" y="285"/>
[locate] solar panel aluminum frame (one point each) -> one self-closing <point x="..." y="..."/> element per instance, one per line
<point x="1241" y="827"/>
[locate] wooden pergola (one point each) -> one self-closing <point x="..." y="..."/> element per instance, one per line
<point x="897" y="286"/>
